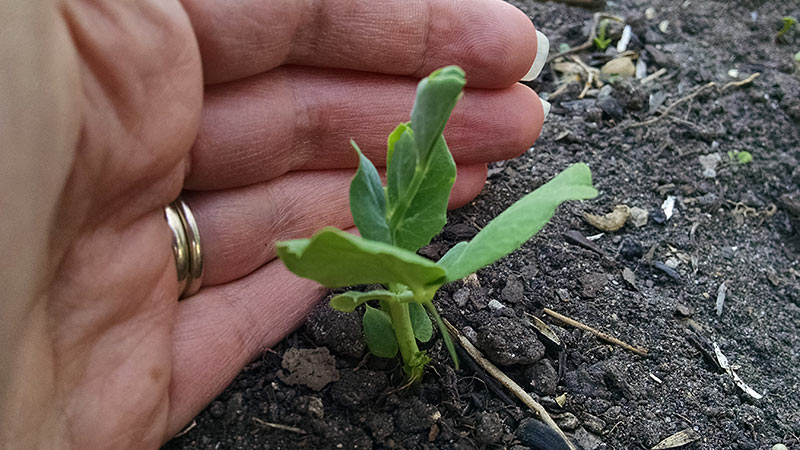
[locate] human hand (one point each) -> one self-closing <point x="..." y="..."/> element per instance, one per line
<point x="108" y="119"/>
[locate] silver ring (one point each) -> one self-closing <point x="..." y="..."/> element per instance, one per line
<point x="186" y="247"/>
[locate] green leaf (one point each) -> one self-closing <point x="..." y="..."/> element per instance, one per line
<point x="600" y="40"/>
<point x="602" y="44"/>
<point x="744" y="157"/>
<point x="514" y="226"/>
<point x="350" y="300"/>
<point x="368" y="201"/>
<point x="420" y="169"/>
<point x="453" y="254"/>
<point x="423" y="329"/>
<point x="401" y="163"/>
<point x="335" y="258"/>
<point x="419" y="213"/>
<point x="788" y="23"/>
<point x="437" y="95"/>
<point x="378" y="333"/>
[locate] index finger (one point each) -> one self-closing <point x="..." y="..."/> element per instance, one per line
<point x="494" y="42"/>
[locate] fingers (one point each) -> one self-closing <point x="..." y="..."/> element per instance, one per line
<point x="493" y="41"/>
<point x="222" y="328"/>
<point x="298" y="118"/>
<point x="239" y="227"/>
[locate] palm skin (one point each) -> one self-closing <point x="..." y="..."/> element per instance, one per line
<point x="94" y="355"/>
<point x="107" y="110"/>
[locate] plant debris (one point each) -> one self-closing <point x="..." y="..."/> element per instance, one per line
<point x="723" y="363"/>
<point x="612" y="221"/>
<point x="679" y="439"/>
<point x="600" y="335"/>
<point x="575" y="237"/>
<point x="721" y="292"/>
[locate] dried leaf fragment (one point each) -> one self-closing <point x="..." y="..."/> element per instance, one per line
<point x="668" y="206"/>
<point x="679" y="439"/>
<point x="612" y="221"/>
<point x="721" y="292"/>
<point x="723" y="363"/>
<point x="545" y="331"/>
<point x="629" y="277"/>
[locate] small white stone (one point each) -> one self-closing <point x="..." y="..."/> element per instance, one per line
<point x="495" y="305"/>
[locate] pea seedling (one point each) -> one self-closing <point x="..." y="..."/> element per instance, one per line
<point x="398" y="219"/>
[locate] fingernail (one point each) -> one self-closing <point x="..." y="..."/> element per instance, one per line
<point x="542" y="51"/>
<point x="545" y="107"/>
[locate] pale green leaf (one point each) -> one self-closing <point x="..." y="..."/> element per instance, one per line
<point x="420" y="169"/>
<point x="335" y="258"/>
<point x="514" y="226"/>
<point x="423" y="329"/>
<point x="401" y="163"/>
<point x="379" y="333"/>
<point x="437" y="95"/>
<point x="418" y="214"/>
<point x="368" y="201"/>
<point x="350" y="300"/>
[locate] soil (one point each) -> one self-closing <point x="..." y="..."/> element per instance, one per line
<point x="737" y="225"/>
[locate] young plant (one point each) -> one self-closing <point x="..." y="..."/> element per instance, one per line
<point x="742" y="157"/>
<point x="788" y="22"/>
<point x="601" y="41"/>
<point x="397" y="219"/>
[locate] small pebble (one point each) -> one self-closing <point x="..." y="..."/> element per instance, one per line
<point x="630" y="248"/>
<point x="568" y="422"/>
<point x="495" y="305"/>
<point x="683" y="310"/>
<point x="593" y="423"/>
<point x="461" y="296"/>
<point x="217" y="409"/>
<point x="658" y="216"/>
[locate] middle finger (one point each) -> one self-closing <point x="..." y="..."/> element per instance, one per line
<point x="298" y="118"/>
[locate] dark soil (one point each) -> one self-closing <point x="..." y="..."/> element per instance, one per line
<point x="739" y="227"/>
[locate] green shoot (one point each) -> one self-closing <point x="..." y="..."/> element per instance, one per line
<point x="398" y="219"/>
<point x="788" y="22"/>
<point x="601" y="41"/>
<point x="742" y="157"/>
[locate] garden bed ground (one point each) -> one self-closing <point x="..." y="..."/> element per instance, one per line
<point x="738" y="227"/>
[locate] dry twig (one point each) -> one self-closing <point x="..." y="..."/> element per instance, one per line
<point x="590" y="74"/>
<point x="691" y="96"/>
<point x="603" y="336"/>
<point x="278" y="426"/>
<point x="507" y="382"/>
<point x="653" y="76"/>
<point x="590" y="41"/>
<point x="189" y="428"/>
